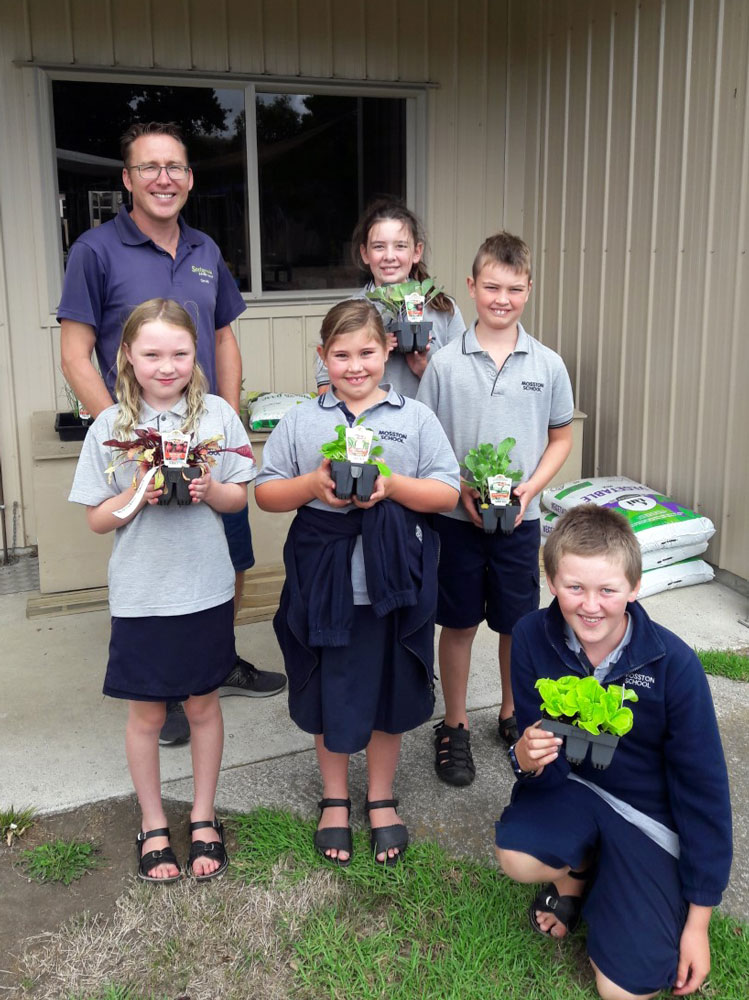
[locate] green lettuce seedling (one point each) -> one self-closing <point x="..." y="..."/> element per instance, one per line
<point x="486" y="461"/>
<point x="583" y="702"/>
<point x="393" y="297"/>
<point x="335" y="450"/>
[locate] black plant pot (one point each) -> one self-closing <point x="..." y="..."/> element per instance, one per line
<point x="576" y="742"/>
<point x="502" y="517"/>
<point x="353" y="478"/>
<point x="412" y="337"/>
<point x="176" y="484"/>
<point x="70" y="428"/>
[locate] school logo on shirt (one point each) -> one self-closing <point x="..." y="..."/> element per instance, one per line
<point x="639" y="680"/>
<point x="533" y="386"/>
<point x="392" y="436"/>
<point x="205" y="274"/>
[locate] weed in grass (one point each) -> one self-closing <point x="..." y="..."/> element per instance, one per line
<point x="15" y="822"/>
<point x="60" y="861"/>
<point x="725" y="663"/>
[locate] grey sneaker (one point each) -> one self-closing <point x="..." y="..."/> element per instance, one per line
<point x="246" y="680"/>
<point x="176" y="728"/>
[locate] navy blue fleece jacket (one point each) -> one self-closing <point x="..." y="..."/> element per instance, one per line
<point x="671" y="764"/>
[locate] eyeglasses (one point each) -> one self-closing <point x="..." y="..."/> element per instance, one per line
<point x="152" y="171"/>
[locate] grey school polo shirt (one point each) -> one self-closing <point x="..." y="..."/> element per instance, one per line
<point x="413" y="441"/>
<point x="168" y="560"/>
<point x="413" y="444"/>
<point x="115" y="267"/>
<point x="476" y="403"/>
<point x="445" y="327"/>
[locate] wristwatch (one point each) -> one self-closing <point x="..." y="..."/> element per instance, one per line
<point x="519" y="772"/>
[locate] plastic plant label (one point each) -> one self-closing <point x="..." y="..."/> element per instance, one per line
<point x="358" y="443"/>
<point x="414" y="304"/>
<point x="175" y="446"/>
<point x="499" y="490"/>
<point x="130" y="506"/>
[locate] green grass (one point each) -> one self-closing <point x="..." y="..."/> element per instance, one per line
<point x="725" y="663"/>
<point x="433" y="928"/>
<point x="60" y="861"/>
<point x="15" y="822"/>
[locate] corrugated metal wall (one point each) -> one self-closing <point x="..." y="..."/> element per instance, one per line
<point x="627" y="172"/>
<point x="625" y="166"/>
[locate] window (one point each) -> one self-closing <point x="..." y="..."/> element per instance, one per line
<point x="315" y="161"/>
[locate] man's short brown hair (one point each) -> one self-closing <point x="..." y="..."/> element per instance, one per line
<point x="138" y="129"/>
<point x="503" y="248"/>
<point x="589" y="530"/>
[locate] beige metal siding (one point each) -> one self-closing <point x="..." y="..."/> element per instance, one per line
<point x="460" y="47"/>
<point x="630" y="163"/>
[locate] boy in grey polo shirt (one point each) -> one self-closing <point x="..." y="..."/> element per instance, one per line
<point x="495" y="381"/>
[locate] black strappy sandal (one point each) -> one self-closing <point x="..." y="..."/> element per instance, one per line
<point x="566" y="909"/>
<point x="152" y="859"/>
<point x="335" y="838"/>
<point x="385" y="838"/>
<point x="213" y="849"/>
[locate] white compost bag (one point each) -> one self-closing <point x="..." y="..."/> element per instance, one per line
<point x="650" y="560"/>
<point x="681" y="574"/>
<point x="657" y="521"/>
<point x="267" y="409"/>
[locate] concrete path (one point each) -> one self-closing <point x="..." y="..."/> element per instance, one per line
<point x="61" y="740"/>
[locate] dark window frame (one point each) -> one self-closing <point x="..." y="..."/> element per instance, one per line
<point x="415" y="156"/>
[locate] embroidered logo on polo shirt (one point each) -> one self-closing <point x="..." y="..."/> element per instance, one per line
<point x="205" y="274"/>
<point x="533" y="386"/>
<point x="392" y="436"/>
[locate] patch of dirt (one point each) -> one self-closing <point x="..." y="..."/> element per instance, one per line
<point x="29" y="909"/>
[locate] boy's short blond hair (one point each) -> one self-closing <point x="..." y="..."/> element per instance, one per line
<point x="503" y="248"/>
<point x="588" y="530"/>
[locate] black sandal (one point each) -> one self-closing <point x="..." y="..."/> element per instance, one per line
<point x="213" y="849"/>
<point x="507" y="730"/>
<point x="385" y="838"/>
<point x="566" y="909"/>
<point x="147" y="862"/>
<point x="335" y="838"/>
<point x="453" y="761"/>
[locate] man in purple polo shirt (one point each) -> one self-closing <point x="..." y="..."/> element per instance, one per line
<point x="144" y="253"/>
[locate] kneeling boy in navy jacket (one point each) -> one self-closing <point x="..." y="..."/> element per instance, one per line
<point x="641" y="849"/>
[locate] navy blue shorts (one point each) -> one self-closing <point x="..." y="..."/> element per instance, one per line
<point x="635" y="909"/>
<point x="239" y="539"/>
<point x="170" y="657"/>
<point x="482" y="576"/>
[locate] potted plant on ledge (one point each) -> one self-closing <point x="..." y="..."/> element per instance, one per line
<point x="585" y="713"/>
<point x="405" y="303"/>
<point x="354" y="462"/>
<point x="72" y="424"/>
<point x="491" y="476"/>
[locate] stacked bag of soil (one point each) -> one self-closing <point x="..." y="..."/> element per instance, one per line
<point x="671" y="537"/>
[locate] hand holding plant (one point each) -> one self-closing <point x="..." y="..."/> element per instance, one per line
<point x="583" y="702"/>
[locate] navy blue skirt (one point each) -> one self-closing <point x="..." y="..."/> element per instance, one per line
<point x="168" y="658"/>
<point x="354" y="689"/>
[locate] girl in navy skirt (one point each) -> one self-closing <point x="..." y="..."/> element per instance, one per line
<point x="171" y="580"/>
<point x="356" y="619"/>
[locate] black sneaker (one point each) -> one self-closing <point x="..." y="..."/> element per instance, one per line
<point x="246" y="680"/>
<point x="176" y="728"/>
<point x="454" y="761"/>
